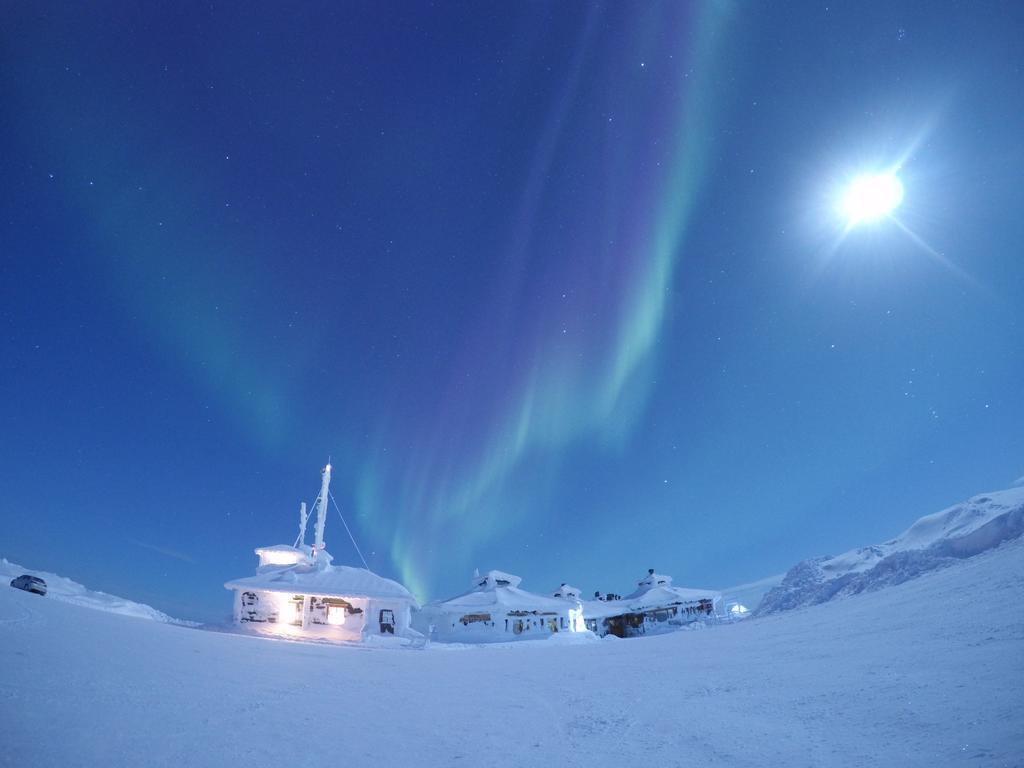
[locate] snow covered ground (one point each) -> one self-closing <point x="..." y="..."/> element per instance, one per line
<point x="925" y="673"/>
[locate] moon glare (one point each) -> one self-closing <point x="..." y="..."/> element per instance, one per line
<point x="871" y="197"/>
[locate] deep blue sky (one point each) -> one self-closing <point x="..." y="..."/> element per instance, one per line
<point x="560" y="287"/>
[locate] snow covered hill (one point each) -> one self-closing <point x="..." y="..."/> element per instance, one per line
<point x="934" y="541"/>
<point x="751" y="594"/>
<point x="925" y="674"/>
<point x="67" y="591"/>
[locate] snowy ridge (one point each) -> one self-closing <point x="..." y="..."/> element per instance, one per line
<point x="67" y="591"/>
<point x="934" y="541"/>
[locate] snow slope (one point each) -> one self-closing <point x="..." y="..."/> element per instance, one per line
<point x="67" y="591"/>
<point x="752" y="593"/>
<point x="926" y="673"/>
<point x="934" y="541"/>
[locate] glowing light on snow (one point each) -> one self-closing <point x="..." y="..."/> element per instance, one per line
<point x="279" y="557"/>
<point x="870" y="197"/>
<point x="576" y="621"/>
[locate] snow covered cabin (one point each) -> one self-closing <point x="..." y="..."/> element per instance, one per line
<point x="297" y="590"/>
<point x="497" y="610"/>
<point x="655" y="606"/>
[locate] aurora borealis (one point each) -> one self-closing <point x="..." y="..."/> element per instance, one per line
<point x="578" y="375"/>
<point x="555" y="286"/>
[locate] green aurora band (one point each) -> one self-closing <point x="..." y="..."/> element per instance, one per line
<point x="561" y="401"/>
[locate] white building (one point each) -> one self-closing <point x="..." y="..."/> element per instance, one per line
<point x="497" y="610"/>
<point x="297" y="591"/>
<point x="656" y="606"/>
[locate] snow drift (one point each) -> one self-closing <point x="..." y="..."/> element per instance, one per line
<point x="934" y="541"/>
<point x="67" y="591"/>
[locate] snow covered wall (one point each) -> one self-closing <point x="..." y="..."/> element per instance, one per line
<point x="67" y="591"/>
<point x="934" y="541"/>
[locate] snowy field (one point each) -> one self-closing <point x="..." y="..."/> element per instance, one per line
<point x="926" y="673"/>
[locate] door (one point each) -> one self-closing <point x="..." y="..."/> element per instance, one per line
<point x="387" y="621"/>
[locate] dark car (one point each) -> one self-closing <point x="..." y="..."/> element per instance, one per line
<point x="29" y="584"/>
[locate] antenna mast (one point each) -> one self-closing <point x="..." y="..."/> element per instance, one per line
<point x="321" y="509"/>
<point x="303" y="519"/>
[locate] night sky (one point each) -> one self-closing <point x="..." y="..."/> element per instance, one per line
<point x="560" y="288"/>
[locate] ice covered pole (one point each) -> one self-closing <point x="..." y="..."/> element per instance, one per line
<point x="303" y="519"/>
<point x="321" y="509"/>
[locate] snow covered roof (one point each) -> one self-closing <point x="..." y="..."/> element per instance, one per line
<point x="652" y="579"/>
<point x="656" y="596"/>
<point x="340" y="580"/>
<point x="648" y="597"/>
<point x="503" y="598"/>
<point x="497" y="591"/>
<point x="566" y="592"/>
<point x="493" y="579"/>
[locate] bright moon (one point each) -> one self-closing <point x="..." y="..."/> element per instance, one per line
<point x="869" y="198"/>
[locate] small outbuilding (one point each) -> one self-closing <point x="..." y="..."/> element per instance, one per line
<point x="497" y="610"/>
<point x="297" y="591"/>
<point x="656" y="606"/>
